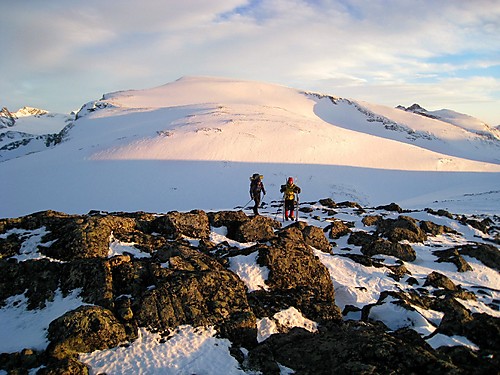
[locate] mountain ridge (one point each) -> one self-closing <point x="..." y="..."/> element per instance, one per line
<point x="140" y="149"/>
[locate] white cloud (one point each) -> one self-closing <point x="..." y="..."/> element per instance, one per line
<point x="98" y="47"/>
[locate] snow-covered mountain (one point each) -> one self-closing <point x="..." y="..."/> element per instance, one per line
<point x="30" y="130"/>
<point x="152" y="149"/>
<point x="192" y="144"/>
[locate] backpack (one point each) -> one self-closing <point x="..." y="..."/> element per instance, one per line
<point x="256" y="183"/>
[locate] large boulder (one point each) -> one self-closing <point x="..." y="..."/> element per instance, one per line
<point x="337" y="229"/>
<point x="402" y="228"/>
<point x="453" y="256"/>
<point x="489" y="255"/>
<point x="296" y="278"/>
<point x="381" y="246"/>
<point x="315" y="237"/>
<point x="175" y="224"/>
<point x="195" y="289"/>
<point x="229" y="219"/>
<point x="84" y="330"/>
<point x="83" y="237"/>
<point x="256" y="229"/>
<point x="348" y="348"/>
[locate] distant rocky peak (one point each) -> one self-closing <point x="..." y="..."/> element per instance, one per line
<point x="413" y="108"/>
<point x="6" y="118"/>
<point x="30" y="111"/>
<point x="417" y="109"/>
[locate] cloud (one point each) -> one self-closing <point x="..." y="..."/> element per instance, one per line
<point x="118" y="44"/>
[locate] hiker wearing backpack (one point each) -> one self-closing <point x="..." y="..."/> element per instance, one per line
<point x="289" y="190"/>
<point x="256" y="187"/>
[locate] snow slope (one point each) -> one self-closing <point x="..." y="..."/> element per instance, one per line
<point x="194" y="142"/>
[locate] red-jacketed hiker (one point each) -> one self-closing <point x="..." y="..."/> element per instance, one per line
<point x="289" y="190"/>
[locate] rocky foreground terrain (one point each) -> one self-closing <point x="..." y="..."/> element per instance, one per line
<point x="183" y="277"/>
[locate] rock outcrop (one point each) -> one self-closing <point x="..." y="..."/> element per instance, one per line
<point x="170" y="273"/>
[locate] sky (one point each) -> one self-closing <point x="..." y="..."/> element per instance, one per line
<point x="58" y="55"/>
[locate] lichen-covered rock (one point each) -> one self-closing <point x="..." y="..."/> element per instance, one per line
<point x="84" y="330"/>
<point x="438" y="280"/>
<point x="174" y="224"/>
<point x="65" y="366"/>
<point x="360" y="238"/>
<point x="435" y="229"/>
<point x="338" y="229"/>
<point x="328" y="202"/>
<point x="296" y="278"/>
<point x="371" y="220"/>
<point x="315" y="237"/>
<point x="348" y="348"/>
<point x="83" y="237"/>
<point x="229" y="219"/>
<point x="381" y="246"/>
<point x="391" y="207"/>
<point x="199" y="298"/>
<point x="402" y="228"/>
<point x="453" y="256"/>
<point x="257" y="228"/>
<point x="489" y="255"/>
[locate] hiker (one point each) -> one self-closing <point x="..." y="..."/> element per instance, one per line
<point x="256" y="186"/>
<point x="289" y="190"/>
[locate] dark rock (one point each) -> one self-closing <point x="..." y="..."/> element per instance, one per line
<point x="363" y="260"/>
<point x="489" y="255"/>
<point x="349" y="204"/>
<point x="257" y="228"/>
<point x="38" y="280"/>
<point x="453" y="256"/>
<point x="10" y="246"/>
<point x="398" y="271"/>
<point x="84" y="330"/>
<point x="471" y="361"/>
<point x="314" y="236"/>
<point x="412" y="281"/>
<point x="349" y="348"/>
<point x="227" y="219"/>
<point x="455" y="317"/>
<point x="482" y="225"/>
<point x="296" y="278"/>
<point x="400" y="229"/>
<point x="199" y="298"/>
<point x="65" y="366"/>
<point x="371" y="220"/>
<point x="391" y="207"/>
<point x="360" y="238"/>
<point x="83" y="237"/>
<point x="338" y="229"/>
<point x="328" y="202"/>
<point x="306" y="209"/>
<point x="21" y="361"/>
<point x="380" y="246"/>
<point x="175" y="224"/>
<point x="439" y="213"/>
<point x="482" y="329"/>
<point x="435" y="229"/>
<point x="438" y="280"/>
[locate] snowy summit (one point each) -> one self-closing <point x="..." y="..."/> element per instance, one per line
<point x="171" y="146"/>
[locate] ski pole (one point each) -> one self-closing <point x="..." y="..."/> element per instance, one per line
<point x="244" y="205"/>
<point x="297" y="208"/>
